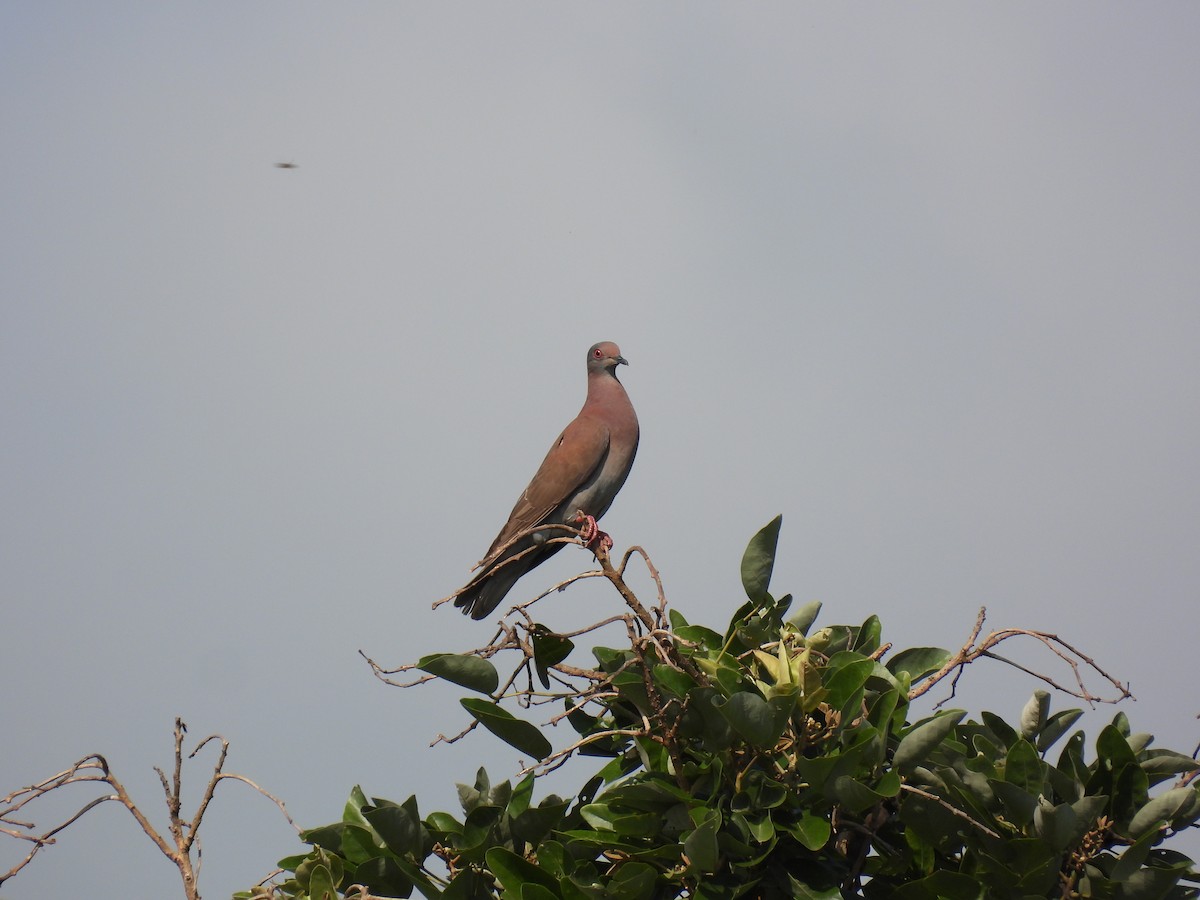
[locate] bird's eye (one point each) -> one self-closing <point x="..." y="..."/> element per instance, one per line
<point x="597" y="353"/>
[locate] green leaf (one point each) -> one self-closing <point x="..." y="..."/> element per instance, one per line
<point x="672" y="680"/>
<point x="915" y="747"/>
<point x="801" y="891"/>
<point x="522" y="796"/>
<point x="759" y="560"/>
<point x="504" y="725"/>
<point x="1134" y="857"/>
<point x="1004" y="732"/>
<point x="1089" y="809"/>
<point x="321" y="885"/>
<point x="469" y="796"/>
<point x="1113" y="749"/>
<point x="1056" y="726"/>
<point x="811" y="831"/>
<point x="1167" y="762"/>
<point x="1023" y="767"/>
<point x="399" y="830"/>
<point x="751" y="717"/>
<point x="805" y="616"/>
<point x="471" y="672"/>
<point x="1162" y="808"/>
<point x="479" y="833"/>
<point x="607" y="817"/>
<point x="698" y="634"/>
<point x="869" y="632"/>
<point x="701" y="849"/>
<point x="883" y="709"/>
<point x="917" y="662"/>
<point x="856" y="796"/>
<point x="513" y="871"/>
<point x="319" y="873"/>
<point x="1019" y="804"/>
<point x="469" y="884"/>
<point x="633" y="881"/>
<point x="1058" y="826"/>
<point x="359" y="843"/>
<point x="943" y="885"/>
<point x="444" y="824"/>
<point x="549" y="649"/>
<point x="328" y="837"/>
<point x="552" y="858"/>
<point x="851" y="672"/>
<point x="385" y="877"/>
<point x="352" y="811"/>
<point x="1033" y="716"/>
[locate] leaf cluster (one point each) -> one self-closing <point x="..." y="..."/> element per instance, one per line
<point x="772" y="760"/>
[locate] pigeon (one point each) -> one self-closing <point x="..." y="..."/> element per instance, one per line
<point x="575" y="485"/>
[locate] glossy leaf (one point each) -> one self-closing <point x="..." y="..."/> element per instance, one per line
<point x="850" y="674"/>
<point x="701" y="848"/>
<point x="751" y="717"/>
<point x="811" y="831"/>
<point x="804" y="617"/>
<point x="1024" y="768"/>
<point x="1033" y="716"/>
<point x="513" y="871"/>
<point x="467" y="671"/>
<point x="513" y="731"/>
<point x="1168" y="762"/>
<point x="399" y="830"/>
<point x="918" y="662"/>
<point x="801" y="891"/>
<point x="1056" y="726"/>
<point x="634" y="881"/>
<point x="321" y="885"/>
<point x="759" y="560"/>
<point x="1163" y="808"/>
<point x="548" y="650"/>
<point x="915" y="747"/>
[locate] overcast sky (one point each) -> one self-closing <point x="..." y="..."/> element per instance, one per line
<point x="925" y="279"/>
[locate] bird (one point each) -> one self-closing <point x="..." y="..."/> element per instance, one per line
<point x="576" y="483"/>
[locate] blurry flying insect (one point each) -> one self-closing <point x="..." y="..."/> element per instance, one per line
<point x="286" y="165"/>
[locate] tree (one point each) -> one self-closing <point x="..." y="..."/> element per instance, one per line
<point x="768" y="760"/>
<point x="179" y="844"/>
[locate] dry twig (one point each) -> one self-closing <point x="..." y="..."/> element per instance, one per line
<point x="94" y="769"/>
<point x="974" y="648"/>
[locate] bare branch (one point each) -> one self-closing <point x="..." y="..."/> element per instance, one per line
<point x="573" y="536"/>
<point x="265" y="793"/>
<point x="973" y="649"/>
<point x="185" y="833"/>
<point x="194" y="827"/>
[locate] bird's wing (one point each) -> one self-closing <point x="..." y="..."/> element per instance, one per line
<point x="577" y="453"/>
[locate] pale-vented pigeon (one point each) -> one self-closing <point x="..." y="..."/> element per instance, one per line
<point x="583" y="471"/>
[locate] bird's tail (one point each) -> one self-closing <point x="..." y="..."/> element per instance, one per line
<point x="485" y="592"/>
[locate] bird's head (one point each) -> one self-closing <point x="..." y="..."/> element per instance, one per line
<point x="605" y="356"/>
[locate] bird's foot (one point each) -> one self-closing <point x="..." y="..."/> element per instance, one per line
<point x="593" y="538"/>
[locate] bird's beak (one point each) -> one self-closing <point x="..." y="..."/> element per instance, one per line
<point x="622" y="361"/>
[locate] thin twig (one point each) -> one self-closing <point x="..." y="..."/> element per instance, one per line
<point x="973" y="649"/>
<point x="953" y="810"/>
<point x="573" y="536"/>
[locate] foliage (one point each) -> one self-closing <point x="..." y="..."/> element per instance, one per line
<point x="768" y="760"/>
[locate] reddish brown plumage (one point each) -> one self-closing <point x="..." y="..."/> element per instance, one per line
<point x="585" y="468"/>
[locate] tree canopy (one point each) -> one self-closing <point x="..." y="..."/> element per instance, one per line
<point x="770" y="758"/>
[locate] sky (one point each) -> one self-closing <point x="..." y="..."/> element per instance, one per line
<point x="922" y="278"/>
